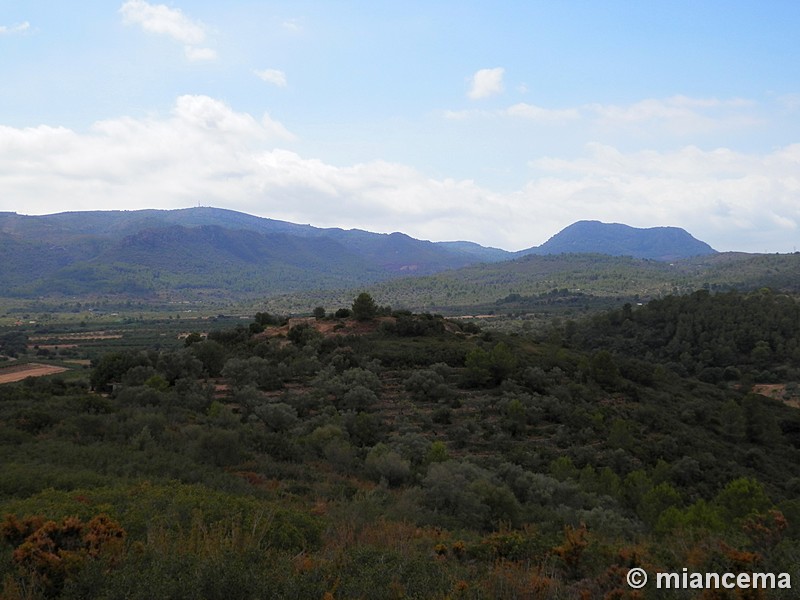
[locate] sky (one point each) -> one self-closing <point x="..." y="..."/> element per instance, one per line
<point x="499" y="123"/>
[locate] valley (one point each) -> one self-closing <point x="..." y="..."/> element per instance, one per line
<point x="532" y="427"/>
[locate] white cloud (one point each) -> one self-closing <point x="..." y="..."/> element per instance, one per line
<point x="486" y="82"/>
<point x="159" y="18"/>
<point x="194" y="53"/>
<point x="273" y="76"/>
<point x="655" y="119"/>
<point x="677" y="115"/>
<point x="13" y="29"/>
<point x="732" y="200"/>
<point x="521" y="110"/>
<point x="205" y="151"/>
<point x="163" y="20"/>
<point x="461" y="115"/>
<point x="537" y="113"/>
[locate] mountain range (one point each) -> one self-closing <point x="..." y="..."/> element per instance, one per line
<point x="221" y="251"/>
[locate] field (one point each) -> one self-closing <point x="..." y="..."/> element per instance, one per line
<point x="22" y="371"/>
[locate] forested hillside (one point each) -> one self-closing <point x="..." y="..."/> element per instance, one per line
<point x="213" y="254"/>
<point x="209" y="252"/>
<point x="577" y="282"/>
<point x="616" y="239"/>
<point x="371" y="453"/>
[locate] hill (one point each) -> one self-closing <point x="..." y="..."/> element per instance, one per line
<point x="223" y="252"/>
<point x="565" y="283"/>
<point x="410" y="456"/>
<point x="615" y="239"/>
<point x="202" y="253"/>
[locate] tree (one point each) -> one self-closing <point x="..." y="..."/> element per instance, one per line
<point x="603" y="369"/>
<point x="489" y="368"/>
<point x="211" y="354"/>
<point x="264" y="319"/>
<point x="302" y="334"/>
<point x="178" y="364"/>
<point x="277" y="416"/>
<point x="13" y="343"/>
<point x="112" y="366"/>
<point x="741" y="499"/>
<point x="364" y="307"/>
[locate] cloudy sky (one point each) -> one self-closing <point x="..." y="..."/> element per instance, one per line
<point x="496" y="122"/>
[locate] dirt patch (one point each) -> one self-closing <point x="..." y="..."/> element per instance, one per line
<point x="88" y="335"/>
<point x="20" y="372"/>
<point x="185" y="334"/>
<point x="52" y="346"/>
<point x="779" y="391"/>
<point x="770" y="390"/>
<point x="330" y="328"/>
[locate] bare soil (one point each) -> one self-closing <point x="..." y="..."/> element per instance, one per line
<point x="20" y="372"/>
<point x="88" y="335"/>
<point x="329" y="328"/>
<point x="778" y="392"/>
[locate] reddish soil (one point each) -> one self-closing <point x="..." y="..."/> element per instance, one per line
<point x="329" y="328"/>
<point x="778" y="392"/>
<point x="771" y="390"/>
<point x="20" y="372"/>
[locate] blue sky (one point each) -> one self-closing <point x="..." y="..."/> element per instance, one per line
<point x="499" y="123"/>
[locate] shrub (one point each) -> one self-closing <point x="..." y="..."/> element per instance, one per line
<point x="382" y="463"/>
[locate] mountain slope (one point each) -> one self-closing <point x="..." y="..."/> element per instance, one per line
<point x="393" y="253"/>
<point x="230" y="253"/>
<point x="597" y="275"/>
<point x="615" y="239"/>
<point x="209" y="258"/>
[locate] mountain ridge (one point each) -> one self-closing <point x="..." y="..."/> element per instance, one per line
<point x="154" y="251"/>
<point x="617" y="239"/>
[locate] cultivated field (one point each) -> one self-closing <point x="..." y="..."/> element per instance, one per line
<point x="20" y="372"/>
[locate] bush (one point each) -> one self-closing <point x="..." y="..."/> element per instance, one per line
<point x="382" y="463"/>
<point x="277" y="416"/>
<point x="469" y="495"/>
<point x="427" y="385"/>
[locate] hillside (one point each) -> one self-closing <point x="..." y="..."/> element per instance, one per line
<point x="407" y="456"/>
<point x="203" y="253"/>
<point x="222" y="252"/>
<point x="567" y="283"/>
<point x="615" y="239"/>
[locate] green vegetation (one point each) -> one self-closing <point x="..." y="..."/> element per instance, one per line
<point x="200" y="254"/>
<point x="386" y="454"/>
<point x="515" y="286"/>
<point x="211" y="256"/>
<point x="539" y="288"/>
